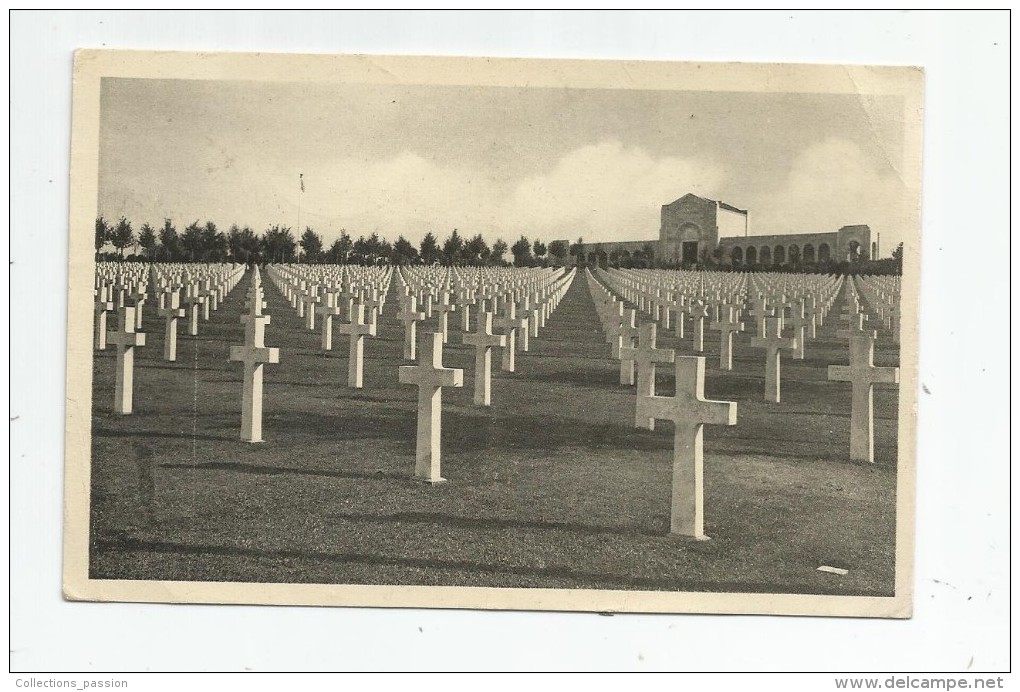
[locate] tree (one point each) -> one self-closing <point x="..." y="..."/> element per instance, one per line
<point x="429" y="249"/>
<point x="499" y="249"/>
<point x="191" y="242"/>
<point x="539" y="248"/>
<point x="648" y="251"/>
<point x="147" y="239"/>
<point x="476" y="250"/>
<point x="359" y="251"/>
<point x="521" y="251"/>
<point x="342" y="247"/>
<point x="311" y="243"/>
<point x="375" y="249"/>
<point x="249" y="245"/>
<point x="558" y="250"/>
<point x="453" y="248"/>
<point x="278" y="244"/>
<point x="122" y="236"/>
<point x="337" y="253"/>
<point x="103" y="231"/>
<point x="370" y="250"/>
<point x="170" y="241"/>
<point x="403" y="252"/>
<point x="897" y="254"/>
<point x="221" y="249"/>
<point x="384" y="252"/>
<point x="577" y="250"/>
<point x="234" y="242"/>
<point x="210" y="242"/>
<point x="212" y="245"/>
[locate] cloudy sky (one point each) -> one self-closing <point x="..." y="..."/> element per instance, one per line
<point x="546" y="163"/>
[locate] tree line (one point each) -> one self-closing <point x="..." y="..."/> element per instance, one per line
<point x="206" y="243"/>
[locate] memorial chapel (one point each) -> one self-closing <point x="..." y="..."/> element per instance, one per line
<point x="692" y="228"/>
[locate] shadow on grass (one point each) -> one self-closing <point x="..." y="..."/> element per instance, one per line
<point x="179" y="365"/>
<point x="461" y="522"/>
<point x="256" y="470"/>
<point x="474" y="432"/>
<point x="106" y="432"/>
<point x="581" y="578"/>
<point x="586" y="378"/>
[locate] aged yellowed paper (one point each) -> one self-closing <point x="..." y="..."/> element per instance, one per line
<point x="215" y="455"/>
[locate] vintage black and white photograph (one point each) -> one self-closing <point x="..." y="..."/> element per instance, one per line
<point x="512" y="334"/>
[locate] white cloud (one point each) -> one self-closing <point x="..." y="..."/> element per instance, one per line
<point x="405" y="195"/>
<point x="607" y="192"/>
<point x="603" y="192"/>
<point x="832" y="184"/>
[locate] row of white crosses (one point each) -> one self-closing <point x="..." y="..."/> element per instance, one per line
<point x="882" y="296"/>
<point x="519" y="301"/>
<point x="339" y="291"/>
<point x="254" y="354"/>
<point x="200" y="288"/>
<point x="723" y="300"/>
<point x="128" y="286"/>
<point x="354" y="294"/>
<point x="808" y="301"/>
<point x="688" y="409"/>
<point x="311" y="289"/>
<point x="430" y="376"/>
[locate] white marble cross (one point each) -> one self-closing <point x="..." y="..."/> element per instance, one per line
<point x="327" y="311"/>
<point x="357" y="330"/>
<point x="120" y="289"/>
<point x="171" y="312"/>
<point x="773" y="342"/>
<point x="431" y="377"/>
<point x="483" y="340"/>
<point x="373" y="304"/>
<point x="628" y="332"/>
<point x="855" y="326"/>
<point x="615" y="320"/>
<point x="507" y="323"/>
<point x="690" y="412"/>
<point x="464" y="303"/>
<point x="726" y="329"/>
<point x="800" y="325"/>
<point x="103" y="307"/>
<point x="410" y="316"/>
<point x="297" y="293"/>
<point x="534" y="314"/>
<point x="209" y="293"/>
<point x="193" y="301"/>
<point x="863" y="374"/>
<point x="444" y="308"/>
<point x="759" y="311"/>
<point x="254" y="354"/>
<point x="699" y="312"/>
<point x="137" y="298"/>
<point x="254" y="301"/>
<point x="678" y="311"/>
<point x="645" y="355"/>
<point x="426" y="301"/>
<point x="522" y="326"/>
<point x="346" y="300"/>
<point x="125" y="339"/>
<point x="310" y="300"/>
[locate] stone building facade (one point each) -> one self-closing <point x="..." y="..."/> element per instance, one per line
<point x="689" y="233"/>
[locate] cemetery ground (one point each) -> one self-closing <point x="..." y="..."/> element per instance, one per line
<point x="549" y="487"/>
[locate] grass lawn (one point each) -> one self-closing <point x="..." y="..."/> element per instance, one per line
<point x="550" y="487"/>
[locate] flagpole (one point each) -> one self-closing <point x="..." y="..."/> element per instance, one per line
<point x="301" y="179"/>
